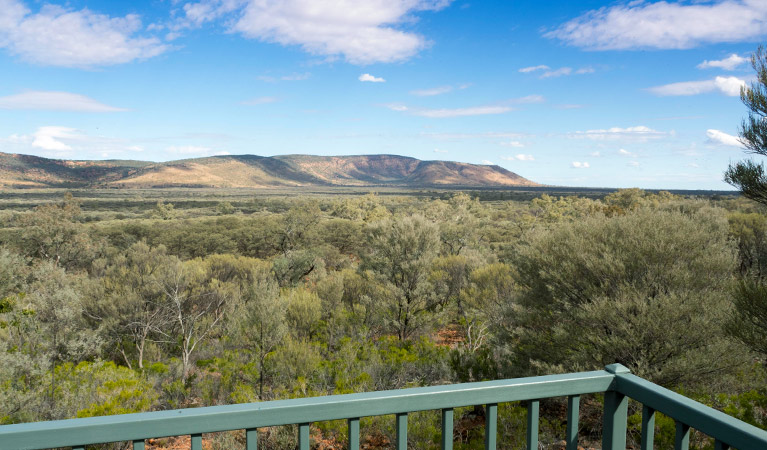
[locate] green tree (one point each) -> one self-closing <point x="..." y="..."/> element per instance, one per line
<point x="627" y="289"/>
<point x="52" y="232"/>
<point x="748" y="176"/>
<point x="130" y="304"/>
<point x="400" y="256"/>
<point x="260" y="323"/>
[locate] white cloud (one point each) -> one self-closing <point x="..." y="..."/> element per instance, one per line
<point x="397" y="107"/>
<point x="595" y="154"/>
<point x="260" y="101"/>
<point x="54" y="101"/>
<point x="461" y="112"/>
<point x="528" y="99"/>
<point x="436" y="150"/>
<point x="371" y="78"/>
<point x="624" y="152"/>
<point x="522" y="157"/>
<point x="450" y="112"/>
<point x="565" y="71"/>
<point x="516" y="144"/>
<point x="633" y="164"/>
<point x="693" y="165"/>
<point x="639" y="133"/>
<point x="579" y="165"/>
<point x="726" y="85"/>
<point x="534" y="68"/>
<point x="722" y="138"/>
<point x="438" y="90"/>
<point x="730" y="63"/>
<point x="364" y="32"/>
<point x="664" y="25"/>
<point x="557" y="73"/>
<point x="433" y="91"/>
<point x="58" y="36"/>
<point x="489" y="163"/>
<point x="52" y="138"/>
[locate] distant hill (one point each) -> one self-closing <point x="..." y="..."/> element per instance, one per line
<point x="251" y="171"/>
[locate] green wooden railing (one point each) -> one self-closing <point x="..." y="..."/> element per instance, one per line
<point x="616" y="382"/>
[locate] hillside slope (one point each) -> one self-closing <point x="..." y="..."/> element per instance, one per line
<point x="251" y="171"/>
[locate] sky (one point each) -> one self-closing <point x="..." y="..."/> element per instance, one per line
<point x="587" y="93"/>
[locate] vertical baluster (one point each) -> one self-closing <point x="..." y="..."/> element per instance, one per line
<point x="648" y="428"/>
<point x="491" y="426"/>
<point x="402" y="431"/>
<point x="719" y="445"/>
<point x="682" y="438"/>
<point x="616" y="414"/>
<point x="303" y="436"/>
<point x="354" y="434"/>
<point x="197" y="441"/>
<point x="447" y="429"/>
<point x="138" y="444"/>
<point x="533" y="411"/>
<point x="573" y="410"/>
<point x="251" y="439"/>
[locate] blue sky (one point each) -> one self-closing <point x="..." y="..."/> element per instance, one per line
<point x="587" y="93"/>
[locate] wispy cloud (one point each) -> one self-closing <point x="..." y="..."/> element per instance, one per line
<point x="534" y="68"/>
<point x="732" y="62"/>
<point x="55" y="101"/>
<point x="579" y="165"/>
<point x="443" y="113"/>
<point x="515" y="144"/>
<point x="722" y="138"/>
<point x="561" y="72"/>
<point x="370" y="78"/>
<point x="438" y="90"/>
<point x="59" y="36"/>
<point x="519" y="157"/>
<point x="436" y="150"/>
<point x="633" y="164"/>
<point x="726" y="85"/>
<point x="639" y="133"/>
<point x="461" y="112"/>
<point x="665" y="25"/>
<point x="624" y="152"/>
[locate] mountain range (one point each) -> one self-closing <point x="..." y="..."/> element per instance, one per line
<point x="251" y="171"/>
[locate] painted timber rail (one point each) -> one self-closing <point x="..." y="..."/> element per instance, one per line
<point x="616" y="382"/>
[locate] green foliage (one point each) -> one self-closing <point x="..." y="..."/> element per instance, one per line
<point x="626" y="289"/>
<point x="748" y="176"/>
<point x="363" y="293"/>
<point x="400" y="254"/>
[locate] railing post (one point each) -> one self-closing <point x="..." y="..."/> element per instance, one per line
<point x="573" y="413"/>
<point x="197" y="441"/>
<point x="447" y="429"/>
<point x="139" y="445"/>
<point x="251" y="439"/>
<point x="682" y="438"/>
<point x="354" y="434"/>
<point x="648" y="428"/>
<point x="615" y="415"/>
<point x="533" y="409"/>
<point x="303" y="436"/>
<point x="402" y="431"/>
<point x="491" y="426"/>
